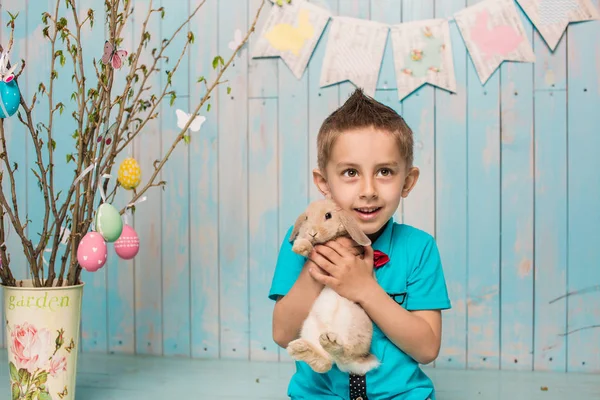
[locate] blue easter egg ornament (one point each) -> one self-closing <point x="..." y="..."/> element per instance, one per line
<point x="10" y="98"/>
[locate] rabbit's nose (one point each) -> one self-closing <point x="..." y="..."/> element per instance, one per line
<point x="312" y="233"/>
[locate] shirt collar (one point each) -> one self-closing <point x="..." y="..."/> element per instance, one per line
<point x="384" y="241"/>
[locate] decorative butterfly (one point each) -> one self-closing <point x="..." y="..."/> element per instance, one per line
<point x="6" y="74"/>
<point x="113" y="56"/>
<point x="183" y="118"/>
<point x="63" y="393"/>
<point x="237" y="40"/>
<point x="71" y="346"/>
<point x="110" y="132"/>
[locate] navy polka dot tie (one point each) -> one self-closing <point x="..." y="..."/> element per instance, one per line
<point x="358" y="387"/>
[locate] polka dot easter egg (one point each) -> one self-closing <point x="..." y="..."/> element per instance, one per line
<point x="92" y="253"/>
<point x="128" y="244"/>
<point x="10" y="97"/>
<point x="108" y="222"/>
<point x="130" y="173"/>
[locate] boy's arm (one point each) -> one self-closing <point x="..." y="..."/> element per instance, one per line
<point x="417" y="333"/>
<point x="292" y="309"/>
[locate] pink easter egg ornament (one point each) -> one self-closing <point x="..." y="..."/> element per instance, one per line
<point x="92" y="253"/>
<point x="128" y="244"/>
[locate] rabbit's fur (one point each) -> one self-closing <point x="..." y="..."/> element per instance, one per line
<point x="336" y="329"/>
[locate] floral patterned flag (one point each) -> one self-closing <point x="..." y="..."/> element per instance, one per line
<point x="291" y="32"/>
<point x="354" y="53"/>
<point x="423" y="54"/>
<point x="551" y="17"/>
<point x="493" y="33"/>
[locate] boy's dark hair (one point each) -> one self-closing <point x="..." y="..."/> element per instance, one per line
<point x="362" y="111"/>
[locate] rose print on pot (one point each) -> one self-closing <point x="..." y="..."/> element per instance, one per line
<point x="38" y="356"/>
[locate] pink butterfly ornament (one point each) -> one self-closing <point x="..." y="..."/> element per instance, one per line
<point x="113" y="56"/>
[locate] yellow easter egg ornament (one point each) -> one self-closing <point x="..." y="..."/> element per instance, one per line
<point x="130" y="173"/>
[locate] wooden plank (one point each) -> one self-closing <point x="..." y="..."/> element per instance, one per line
<point x="451" y="195"/>
<point x="233" y="190"/>
<point x="356" y="9"/>
<point x="321" y="101"/>
<point x="175" y="198"/>
<point x="119" y="272"/>
<point x="550" y="250"/>
<point x="148" y="271"/>
<point x="294" y="141"/>
<point x="390" y="12"/>
<point x="263" y="224"/>
<point x="419" y="113"/>
<point x="483" y="182"/>
<point x="517" y="169"/>
<point x="583" y="352"/>
<point x="204" y="193"/>
<point x="262" y="72"/>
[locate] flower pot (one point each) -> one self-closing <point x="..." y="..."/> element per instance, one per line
<point x="42" y="336"/>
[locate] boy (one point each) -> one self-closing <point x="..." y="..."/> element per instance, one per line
<point x="365" y="155"/>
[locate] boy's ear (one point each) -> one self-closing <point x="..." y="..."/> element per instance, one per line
<point x="410" y="181"/>
<point x="321" y="182"/>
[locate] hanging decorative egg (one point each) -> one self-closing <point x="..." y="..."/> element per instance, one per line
<point x="128" y="244"/>
<point x="10" y="97"/>
<point x="108" y="222"/>
<point x="92" y="253"/>
<point x="130" y="173"/>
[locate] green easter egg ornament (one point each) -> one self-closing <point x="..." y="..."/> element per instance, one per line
<point x="108" y="222"/>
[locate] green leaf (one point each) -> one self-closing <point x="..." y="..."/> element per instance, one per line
<point x="208" y="107"/>
<point x="53" y="143"/>
<point x="44" y="396"/>
<point x="216" y="61"/>
<point x="41" y="378"/>
<point x="14" y="373"/>
<point x="201" y="79"/>
<point x="173" y="97"/>
<point x="69" y="157"/>
<point x="24" y="376"/>
<point x="186" y="139"/>
<point x="16" y="391"/>
<point x="228" y="90"/>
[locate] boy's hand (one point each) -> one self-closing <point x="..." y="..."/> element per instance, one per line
<point x="350" y="276"/>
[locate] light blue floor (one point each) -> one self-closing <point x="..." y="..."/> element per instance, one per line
<point x="108" y="377"/>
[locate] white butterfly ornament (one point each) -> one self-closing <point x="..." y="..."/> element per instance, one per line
<point x="183" y="118"/>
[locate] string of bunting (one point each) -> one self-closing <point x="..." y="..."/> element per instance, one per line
<point x="422" y="50"/>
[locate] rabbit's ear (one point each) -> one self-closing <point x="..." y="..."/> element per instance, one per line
<point x="299" y="221"/>
<point x="353" y="229"/>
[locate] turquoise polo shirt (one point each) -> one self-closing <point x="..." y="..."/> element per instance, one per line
<point x="414" y="278"/>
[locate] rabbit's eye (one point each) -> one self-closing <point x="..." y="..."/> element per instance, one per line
<point x="328" y="215"/>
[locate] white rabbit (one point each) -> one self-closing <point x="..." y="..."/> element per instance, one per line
<point x="336" y="329"/>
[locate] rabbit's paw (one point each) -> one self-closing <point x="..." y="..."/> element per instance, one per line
<point x="331" y="344"/>
<point x="301" y="350"/>
<point x="302" y="247"/>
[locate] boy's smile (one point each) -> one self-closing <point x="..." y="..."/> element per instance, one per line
<point x="367" y="176"/>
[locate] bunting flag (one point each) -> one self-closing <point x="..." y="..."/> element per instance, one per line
<point x="291" y="32"/>
<point x="493" y="33"/>
<point x="354" y="53"/>
<point x="551" y="17"/>
<point x="423" y="54"/>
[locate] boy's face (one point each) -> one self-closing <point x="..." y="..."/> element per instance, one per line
<point x="367" y="176"/>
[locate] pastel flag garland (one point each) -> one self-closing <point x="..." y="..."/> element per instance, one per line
<point x="423" y="54"/>
<point x="291" y="32"/>
<point x="493" y="33"/>
<point x="354" y="53"/>
<point x="551" y="17"/>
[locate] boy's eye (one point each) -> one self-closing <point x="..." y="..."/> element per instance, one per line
<point x="328" y="215"/>
<point x="386" y="172"/>
<point x="351" y="173"/>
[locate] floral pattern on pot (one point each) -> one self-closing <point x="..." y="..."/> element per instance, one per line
<point x="37" y="355"/>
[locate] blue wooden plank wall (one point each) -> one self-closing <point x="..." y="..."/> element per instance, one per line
<point x="509" y="187"/>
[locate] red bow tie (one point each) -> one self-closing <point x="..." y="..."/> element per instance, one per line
<point x="379" y="259"/>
